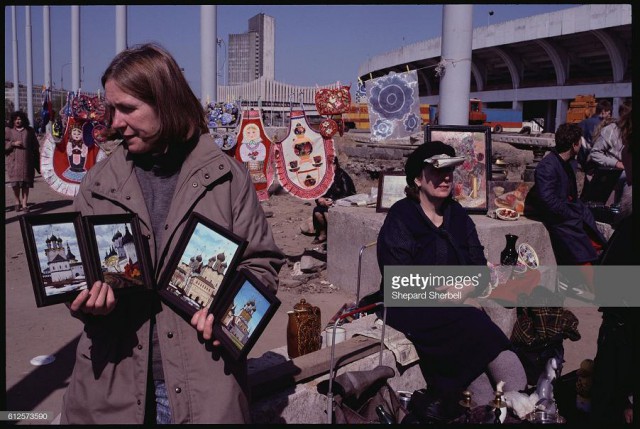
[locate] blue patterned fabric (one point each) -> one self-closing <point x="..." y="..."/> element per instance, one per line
<point x="361" y="93"/>
<point x="394" y="108"/>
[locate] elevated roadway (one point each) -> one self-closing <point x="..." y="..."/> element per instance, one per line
<point x="536" y="64"/>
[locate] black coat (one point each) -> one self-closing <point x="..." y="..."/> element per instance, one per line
<point x="454" y="344"/>
<point x="554" y="200"/>
<point x="341" y="187"/>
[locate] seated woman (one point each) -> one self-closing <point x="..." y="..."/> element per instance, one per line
<point x="341" y="187"/>
<point x="456" y="344"/>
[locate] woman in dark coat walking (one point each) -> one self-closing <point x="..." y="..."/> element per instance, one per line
<point x="21" y="155"/>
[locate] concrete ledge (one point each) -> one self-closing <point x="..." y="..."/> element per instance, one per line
<point x="272" y="378"/>
<point x="352" y="227"/>
<point x="285" y="390"/>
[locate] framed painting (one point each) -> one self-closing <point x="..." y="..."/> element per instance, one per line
<point x="201" y="265"/>
<point x="243" y="313"/>
<point x="57" y="256"/>
<point x="470" y="180"/>
<point x="120" y="252"/>
<point x="390" y="189"/>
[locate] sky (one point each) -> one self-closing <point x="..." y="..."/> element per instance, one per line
<point x="247" y="292"/>
<point x="315" y="44"/>
<point x="66" y="231"/>
<point x="208" y="243"/>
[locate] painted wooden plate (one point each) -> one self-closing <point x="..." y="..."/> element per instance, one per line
<point x="507" y="214"/>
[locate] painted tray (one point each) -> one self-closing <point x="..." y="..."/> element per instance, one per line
<point x="528" y="256"/>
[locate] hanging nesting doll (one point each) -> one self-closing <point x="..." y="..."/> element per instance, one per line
<point x="253" y="149"/>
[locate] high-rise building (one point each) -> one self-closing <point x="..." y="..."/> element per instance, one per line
<point x="252" y="54"/>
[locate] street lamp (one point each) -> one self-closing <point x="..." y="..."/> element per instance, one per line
<point x="489" y="15"/>
<point x="220" y="42"/>
<point x="61" y="77"/>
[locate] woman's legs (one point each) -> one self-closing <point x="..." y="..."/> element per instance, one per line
<point x="505" y="367"/>
<point x="25" y="195"/>
<point x="16" y="193"/>
<point x="320" y="223"/>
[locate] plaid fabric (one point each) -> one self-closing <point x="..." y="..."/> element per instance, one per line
<point x="537" y="325"/>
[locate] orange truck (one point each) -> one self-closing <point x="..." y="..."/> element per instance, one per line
<point x="582" y="107"/>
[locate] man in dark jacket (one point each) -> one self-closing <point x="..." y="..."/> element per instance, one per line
<point x="554" y="200"/>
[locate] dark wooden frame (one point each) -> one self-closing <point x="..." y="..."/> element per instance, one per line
<point x="485" y="171"/>
<point x="141" y="248"/>
<point x="384" y="179"/>
<point x="27" y="224"/>
<point x="231" y="343"/>
<point x="173" y="295"/>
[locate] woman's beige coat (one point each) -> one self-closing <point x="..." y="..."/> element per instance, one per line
<point x="109" y="379"/>
<point x="20" y="161"/>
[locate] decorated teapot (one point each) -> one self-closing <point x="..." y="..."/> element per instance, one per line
<point x="303" y="329"/>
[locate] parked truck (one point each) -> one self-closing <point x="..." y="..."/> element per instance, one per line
<point x="498" y="120"/>
<point x="510" y="121"/>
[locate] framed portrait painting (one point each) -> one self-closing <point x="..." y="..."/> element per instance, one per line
<point x="470" y="180"/>
<point x="201" y="266"/>
<point x="57" y="256"/>
<point x="390" y="189"/>
<point x="120" y="252"/>
<point x="243" y="313"/>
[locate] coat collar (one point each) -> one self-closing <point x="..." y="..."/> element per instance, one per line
<point x="204" y="165"/>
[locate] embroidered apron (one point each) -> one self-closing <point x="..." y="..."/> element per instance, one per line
<point x="254" y="150"/>
<point x="304" y="160"/>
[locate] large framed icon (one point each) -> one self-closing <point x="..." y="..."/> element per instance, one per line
<point x="470" y="180"/>
<point x="201" y="265"/>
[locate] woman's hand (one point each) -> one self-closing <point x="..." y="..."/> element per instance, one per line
<point x="203" y="322"/>
<point x="99" y="301"/>
<point x="16" y="143"/>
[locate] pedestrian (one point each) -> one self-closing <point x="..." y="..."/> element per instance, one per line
<point x="553" y="199"/>
<point x="138" y="361"/>
<point x="341" y="187"/>
<point x="589" y="127"/>
<point x="606" y="159"/>
<point x="459" y="346"/>
<point x="22" y="158"/>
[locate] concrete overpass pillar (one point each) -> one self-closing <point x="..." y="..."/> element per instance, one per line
<point x="615" y="106"/>
<point x="457" y="35"/>
<point x="562" y="106"/>
<point x="208" y="54"/>
<point x="517" y="105"/>
<point x="121" y="28"/>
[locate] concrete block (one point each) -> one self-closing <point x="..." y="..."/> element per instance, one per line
<point x="491" y="233"/>
<point x="353" y="227"/>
